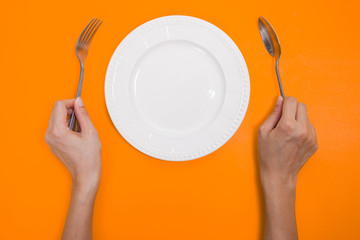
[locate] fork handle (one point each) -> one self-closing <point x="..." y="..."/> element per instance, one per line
<point x="73" y="119"/>
<point x="73" y="122"/>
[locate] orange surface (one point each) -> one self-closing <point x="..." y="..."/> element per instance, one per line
<point x="215" y="197"/>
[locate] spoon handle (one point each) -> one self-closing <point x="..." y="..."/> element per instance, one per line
<point x="278" y="77"/>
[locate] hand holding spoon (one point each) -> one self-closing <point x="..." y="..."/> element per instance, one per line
<point x="272" y="45"/>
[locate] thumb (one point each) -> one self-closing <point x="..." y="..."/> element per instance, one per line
<point x="82" y="115"/>
<point x="271" y="122"/>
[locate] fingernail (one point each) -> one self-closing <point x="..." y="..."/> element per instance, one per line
<point x="278" y="100"/>
<point x="80" y="102"/>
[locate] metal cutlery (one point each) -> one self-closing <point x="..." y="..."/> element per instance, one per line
<point x="272" y="45"/>
<point x="82" y="48"/>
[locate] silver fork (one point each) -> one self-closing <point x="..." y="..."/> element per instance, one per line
<point x="82" y="48"/>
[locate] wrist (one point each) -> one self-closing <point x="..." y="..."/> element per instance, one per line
<point x="86" y="183"/>
<point x="84" y="192"/>
<point x="277" y="183"/>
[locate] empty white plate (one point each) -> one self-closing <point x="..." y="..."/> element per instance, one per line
<point x="177" y="88"/>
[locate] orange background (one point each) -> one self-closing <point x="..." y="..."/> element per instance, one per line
<point x="215" y="197"/>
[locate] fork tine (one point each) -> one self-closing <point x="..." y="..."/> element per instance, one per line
<point x="88" y="30"/>
<point x="82" y="33"/>
<point x="93" y="33"/>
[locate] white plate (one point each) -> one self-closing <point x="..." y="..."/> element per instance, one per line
<point x="177" y="88"/>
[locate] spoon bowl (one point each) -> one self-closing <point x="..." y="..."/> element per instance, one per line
<point x="272" y="45"/>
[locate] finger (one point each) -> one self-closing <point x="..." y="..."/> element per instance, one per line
<point x="60" y="110"/>
<point x="301" y="113"/>
<point x="70" y="111"/>
<point x="274" y="117"/>
<point x="313" y="131"/>
<point x="82" y="116"/>
<point x="68" y="117"/>
<point x="289" y="108"/>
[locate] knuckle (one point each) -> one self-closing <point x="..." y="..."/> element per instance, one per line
<point x="303" y="106"/>
<point x="313" y="130"/>
<point x="277" y="108"/>
<point x="47" y="138"/>
<point x="288" y="126"/>
<point x="92" y="132"/>
<point x="56" y="132"/>
<point x="291" y="99"/>
<point x="313" y="146"/>
<point x="316" y="147"/>
<point x="312" y="143"/>
<point x="261" y="131"/>
<point x="58" y="103"/>
<point x="302" y="134"/>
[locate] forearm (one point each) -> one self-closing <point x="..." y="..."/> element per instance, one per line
<point x="79" y="220"/>
<point x="280" y="209"/>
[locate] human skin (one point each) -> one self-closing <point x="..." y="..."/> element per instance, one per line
<point x="286" y="140"/>
<point x="80" y="152"/>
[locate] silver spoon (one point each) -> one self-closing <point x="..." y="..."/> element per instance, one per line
<point x="272" y="45"/>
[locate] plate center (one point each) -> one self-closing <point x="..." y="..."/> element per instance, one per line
<point x="178" y="87"/>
